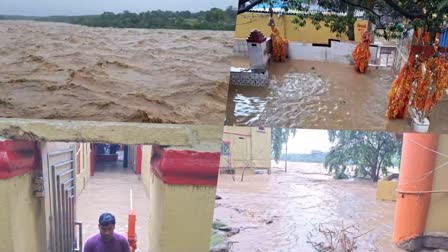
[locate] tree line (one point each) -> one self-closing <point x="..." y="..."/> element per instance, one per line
<point x="361" y="154"/>
<point x="314" y="157"/>
<point x="213" y="19"/>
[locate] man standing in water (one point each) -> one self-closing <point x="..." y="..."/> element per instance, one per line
<point x="107" y="240"/>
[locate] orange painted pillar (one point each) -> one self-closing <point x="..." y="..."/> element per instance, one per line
<point x="132" y="219"/>
<point x="414" y="186"/>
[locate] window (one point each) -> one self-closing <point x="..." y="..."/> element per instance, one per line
<point x="225" y="149"/>
<point x="261" y="129"/>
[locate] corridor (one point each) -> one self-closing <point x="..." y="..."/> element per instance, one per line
<point x="108" y="191"/>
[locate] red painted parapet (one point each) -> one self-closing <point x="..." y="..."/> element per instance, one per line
<point x="18" y="158"/>
<point x="185" y="167"/>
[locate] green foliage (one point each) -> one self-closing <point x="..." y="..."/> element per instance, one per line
<point x="368" y="153"/>
<point x="388" y="15"/>
<point x="279" y="137"/>
<point x="214" y="19"/>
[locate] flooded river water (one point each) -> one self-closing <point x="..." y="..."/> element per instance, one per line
<point x="309" y="94"/>
<point x="278" y="212"/>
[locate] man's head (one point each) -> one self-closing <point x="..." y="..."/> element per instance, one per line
<point x="106" y="226"/>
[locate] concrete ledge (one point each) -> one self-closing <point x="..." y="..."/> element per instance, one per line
<point x="436" y="240"/>
<point x="187" y="136"/>
<point x="426" y="241"/>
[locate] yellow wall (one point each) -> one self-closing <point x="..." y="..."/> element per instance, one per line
<point x="248" y="147"/>
<point x="386" y="190"/>
<point x="247" y="22"/>
<point x="22" y="216"/>
<point x="146" y="165"/>
<point x="437" y="220"/>
<point x="83" y="177"/>
<point x="361" y="26"/>
<point x="180" y="217"/>
<point x="261" y="148"/>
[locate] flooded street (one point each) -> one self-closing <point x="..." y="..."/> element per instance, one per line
<point x="278" y="212"/>
<point x="309" y="94"/>
<point x="108" y="191"/>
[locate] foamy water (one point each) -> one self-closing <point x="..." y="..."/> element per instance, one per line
<point x="63" y="71"/>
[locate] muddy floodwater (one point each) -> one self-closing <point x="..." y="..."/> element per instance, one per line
<point x="64" y="71"/>
<point x="322" y="95"/>
<point x="278" y="212"/>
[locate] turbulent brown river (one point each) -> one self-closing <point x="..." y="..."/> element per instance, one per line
<point x="321" y="95"/>
<point x="63" y="71"/>
<point x="278" y="212"/>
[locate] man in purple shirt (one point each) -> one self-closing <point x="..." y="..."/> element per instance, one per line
<point x="107" y="240"/>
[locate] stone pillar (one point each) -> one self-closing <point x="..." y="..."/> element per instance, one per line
<point x="182" y="198"/>
<point x="257" y="49"/>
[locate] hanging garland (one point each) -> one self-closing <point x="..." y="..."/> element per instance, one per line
<point x="422" y="82"/>
<point x="361" y="54"/>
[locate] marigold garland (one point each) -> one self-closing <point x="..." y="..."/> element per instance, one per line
<point x="361" y="54"/>
<point x="431" y="77"/>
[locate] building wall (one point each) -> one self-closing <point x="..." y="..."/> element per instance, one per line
<point x="437" y="220"/>
<point x="248" y="147"/>
<point x="247" y="22"/>
<point x="146" y="166"/>
<point x="22" y="216"/>
<point x="174" y="210"/>
<point x="83" y="177"/>
<point x="261" y="148"/>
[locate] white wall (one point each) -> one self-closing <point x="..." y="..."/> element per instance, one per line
<point x="340" y="52"/>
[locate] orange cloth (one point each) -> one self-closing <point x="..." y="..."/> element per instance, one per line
<point x="279" y="45"/>
<point x="361" y="54"/>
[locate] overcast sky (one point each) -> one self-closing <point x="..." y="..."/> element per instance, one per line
<point x="307" y="140"/>
<point x="84" y="7"/>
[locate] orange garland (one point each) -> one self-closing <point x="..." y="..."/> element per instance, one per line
<point x="361" y="54"/>
<point x="431" y="83"/>
<point x="400" y="92"/>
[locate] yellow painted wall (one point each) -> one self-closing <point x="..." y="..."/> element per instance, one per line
<point x="180" y="217"/>
<point x="248" y="147"/>
<point x="22" y="216"/>
<point x="437" y="220"/>
<point x="261" y="148"/>
<point x="361" y="26"/>
<point x="83" y="177"/>
<point x="247" y="22"/>
<point x="386" y="190"/>
<point x="146" y="165"/>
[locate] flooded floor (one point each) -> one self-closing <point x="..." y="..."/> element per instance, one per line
<point x="108" y="191"/>
<point x="278" y="212"/>
<point x="320" y="95"/>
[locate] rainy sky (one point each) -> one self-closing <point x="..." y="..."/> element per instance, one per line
<point x="307" y="140"/>
<point x="86" y="7"/>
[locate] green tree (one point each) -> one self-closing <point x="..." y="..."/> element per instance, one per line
<point x="386" y="14"/>
<point x="213" y="19"/>
<point x="280" y="137"/>
<point x="369" y="153"/>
